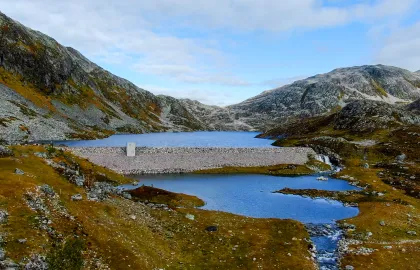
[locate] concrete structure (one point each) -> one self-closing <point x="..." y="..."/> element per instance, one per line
<point x="131" y="149"/>
<point x="151" y="160"/>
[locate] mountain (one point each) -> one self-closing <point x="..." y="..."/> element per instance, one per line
<point x="52" y="92"/>
<point x="358" y="117"/>
<point x="327" y="93"/>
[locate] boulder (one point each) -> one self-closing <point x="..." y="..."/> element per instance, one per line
<point x="211" y="229"/>
<point x="19" y="171"/>
<point x="5" y="152"/>
<point x="77" y="197"/>
<point x="3" y="216"/>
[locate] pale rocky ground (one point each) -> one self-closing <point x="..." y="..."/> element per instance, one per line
<point x="184" y="160"/>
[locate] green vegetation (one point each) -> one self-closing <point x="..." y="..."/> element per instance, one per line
<point x="277" y="170"/>
<point x="67" y="256"/>
<point x="118" y="232"/>
<point x="379" y="89"/>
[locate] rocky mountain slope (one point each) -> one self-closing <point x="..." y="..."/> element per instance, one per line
<point x="326" y="93"/>
<point x="358" y="117"/>
<point x="53" y="92"/>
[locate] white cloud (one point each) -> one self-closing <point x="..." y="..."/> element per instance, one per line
<point x="147" y="35"/>
<point x="401" y="48"/>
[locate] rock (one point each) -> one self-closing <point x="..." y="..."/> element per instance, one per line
<point x="19" y="171"/>
<point x="47" y="190"/>
<point x="412" y="232"/>
<point x="36" y="262"/>
<point x="322" y="178"/>
<point x="133" y="217"/>
<point x="2" y="254"/>
<point x="288" y="254"/>
<point x="349" y="267"/>
<point x="401" y="158"/>
<point x="211" y="228"/>
<point x="79" y="181"/>
<point x="41" y="155"/>
<point x="369" y="234"/>
<point x="190" y="217"/>
<point x="127" y="195"/>
<point x="412" y="177"/>
<point x="382" y="223"/>
<point x="366" y="166"/>
<point x="3" y="216"/>
<point x="5" y="152"/>
<point x="22" y="241"/>
<point x="387" y="247"/>
<point x="77" y="197"/>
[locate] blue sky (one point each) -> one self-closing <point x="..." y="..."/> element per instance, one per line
<point x="225" y="51"/>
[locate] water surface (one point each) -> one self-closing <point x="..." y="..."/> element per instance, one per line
<point x="181" y="139"/>
<point x="251" y="195"/>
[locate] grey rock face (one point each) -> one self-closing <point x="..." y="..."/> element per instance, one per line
<point x="3" y="216"/>
<point x="48" y="190"/>
<point x="325" y="93"/>
<point x="5" y="152"/>
<point x="36" y="262"/>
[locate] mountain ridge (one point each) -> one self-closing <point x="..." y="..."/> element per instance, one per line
<point x="328" y="92"/>
<point x="56" y="82"/>
<point x="53" y="92"/>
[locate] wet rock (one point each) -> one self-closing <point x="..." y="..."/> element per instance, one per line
<point x="19" y="171"/>
<point x="3" y="216"/>
<point x="412" y="232"/>
<point x="211" y="229"/>
<point x="77" y="197"/>
<point x="5" y="152"/>
<point x="190" y="217"/>
<point x="37" y="262"/>
<point x="47" y="190"/>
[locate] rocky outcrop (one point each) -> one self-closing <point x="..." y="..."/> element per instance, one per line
<point x="369" y="115"/>
<point x="360" y="116"/>
<point x="327" y="93"/>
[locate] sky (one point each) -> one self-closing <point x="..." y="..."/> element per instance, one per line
<point x="222" y="52"/>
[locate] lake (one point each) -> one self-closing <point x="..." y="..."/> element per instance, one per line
<point x="181" y="139"/>
<point x="252" y="195"/>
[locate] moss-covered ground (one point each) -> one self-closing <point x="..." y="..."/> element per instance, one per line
<point x="389" y="205"/>
<point x="120" y="233"/>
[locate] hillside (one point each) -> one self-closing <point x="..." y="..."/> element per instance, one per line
<point x="326" y="93"/>
<point x="53" y="92"/>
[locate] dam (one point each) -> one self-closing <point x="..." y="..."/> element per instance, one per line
<point x="167" y="160"/>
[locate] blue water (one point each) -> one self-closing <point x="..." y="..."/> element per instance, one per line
<point x="181" y="139"/>
<point x="251" y="195"/>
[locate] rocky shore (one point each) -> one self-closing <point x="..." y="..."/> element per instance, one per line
<point x="159" y="160"/>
